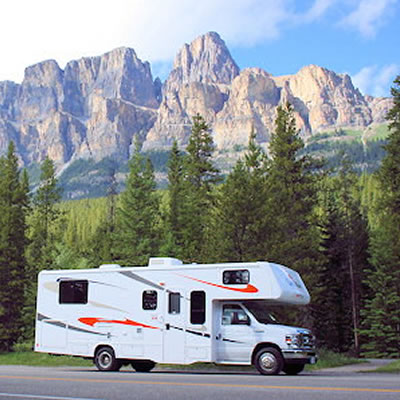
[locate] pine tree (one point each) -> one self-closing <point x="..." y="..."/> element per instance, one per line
<point x="44" y="234"/>
<point x="291" y="185"/>
<point x="136" y="237"/>
<point x="102" y="244"/>
<point x="338" y="299"/>
<point x="200" y="178"/>
<point x="355" y="244"/>
<point x="239" y="213"/>
<point x="42" y="250"/>
<point x="173" y="219"/>
<point x="381" y="324"/>
<point x="13" y="212"/>
<point x="199" y="167"/>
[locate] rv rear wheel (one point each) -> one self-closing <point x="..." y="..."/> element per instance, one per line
<point x="105" y="360"/>
<point x="268" y="361"/>
<point x="143" y="365"/>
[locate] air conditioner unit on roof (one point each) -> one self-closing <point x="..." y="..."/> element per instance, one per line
<point x="164" y="261"/>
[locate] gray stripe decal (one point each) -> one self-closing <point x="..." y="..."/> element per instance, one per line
<point x="131" y="275"/>
<point x="89" y="280"/>
<point x="232" y="341"/>
<point x="106" y="284"/>
<point x="60" y="324"/>
<point x="207" y="335"/>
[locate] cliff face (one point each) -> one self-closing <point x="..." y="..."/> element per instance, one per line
<point x="199" y="83"/>
<point x="206" y="80"/>
<point x="94" y="108"/>
<point x="98" y="106"/>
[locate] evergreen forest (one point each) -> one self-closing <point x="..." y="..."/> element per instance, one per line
<point x="340" y="230"/>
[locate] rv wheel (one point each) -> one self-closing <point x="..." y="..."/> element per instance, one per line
<point x="105" y="360"/>
<point x="143" y="365"/>
<point x="268" y="361"/>
<point x="293" y="369"/>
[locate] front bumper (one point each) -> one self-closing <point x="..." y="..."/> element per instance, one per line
<point x="300" y="356"/>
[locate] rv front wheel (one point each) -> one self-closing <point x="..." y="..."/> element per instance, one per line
<point x="105" y="360"/>
<point x="268" y="361"/>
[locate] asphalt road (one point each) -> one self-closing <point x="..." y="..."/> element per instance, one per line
<point x="62" y="383"/>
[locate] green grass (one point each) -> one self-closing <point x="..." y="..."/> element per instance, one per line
<point x="393" y="367"/>
<point x="381" y="132"/>
<point x="41" y="359"/>
<point x="327" y="359"/>
<point x="353" y="132"/>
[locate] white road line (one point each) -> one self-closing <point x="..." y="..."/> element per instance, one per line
<point x="35" y="396"/>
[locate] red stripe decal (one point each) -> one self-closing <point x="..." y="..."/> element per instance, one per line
<point x="248" y="289"/>
<point x="93" y="321"/>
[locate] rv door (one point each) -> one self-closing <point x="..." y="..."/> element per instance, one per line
<point x="174" y="327"/>
<point x="236" y="337"/>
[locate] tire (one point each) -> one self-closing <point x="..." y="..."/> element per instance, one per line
<point x="293" y="369"/>
<point x="105" y="360"/>
<point x="143" y="365"/>
<point x="268" y="361"/>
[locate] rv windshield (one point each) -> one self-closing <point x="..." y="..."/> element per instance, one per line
<point x="261" y="312"/>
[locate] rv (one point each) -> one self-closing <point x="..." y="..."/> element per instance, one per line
<point x="175" y="313"/>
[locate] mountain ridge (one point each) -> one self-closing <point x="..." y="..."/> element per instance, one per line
<point x="98" y="107"/>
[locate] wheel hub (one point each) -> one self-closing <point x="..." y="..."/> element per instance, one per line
<point x="105" y="360"/>
<point x="267" y="361"/>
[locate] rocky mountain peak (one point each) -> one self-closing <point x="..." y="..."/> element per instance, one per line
<point x="122" y="74"/>
<point x="327" y="98"/>
<point x="98" y="106"/>
<point x="207" y="60"/>
<point x="46" y="73"/>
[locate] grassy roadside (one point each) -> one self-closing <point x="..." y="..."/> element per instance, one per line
<point x="41" y="360"/>
<point x="327" y="359"/>
<point x="393" y="367"/>
<point x="330" y="359"/>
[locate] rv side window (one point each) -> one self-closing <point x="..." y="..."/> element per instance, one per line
<point x="174" y="303"/>
<point x="149" y="300"/>
<point x="233" y="314"/>
<point x="197" y="307"/>
<point x="73" y="292"/>
<point x="235" y="277"/>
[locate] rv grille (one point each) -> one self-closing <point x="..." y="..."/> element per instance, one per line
<point x="306" y="340"/>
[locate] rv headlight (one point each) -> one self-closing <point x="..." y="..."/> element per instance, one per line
<point x="294" y="340"/>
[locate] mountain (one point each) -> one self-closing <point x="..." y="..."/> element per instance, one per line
<point x="91" y="109"/>
<point x="98" y="107"/>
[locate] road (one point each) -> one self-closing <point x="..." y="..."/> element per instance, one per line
<point x="66" y="383"/>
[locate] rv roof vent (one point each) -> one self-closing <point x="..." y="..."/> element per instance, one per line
<point x="159" y="262"/>
<point x="110" y="266"/>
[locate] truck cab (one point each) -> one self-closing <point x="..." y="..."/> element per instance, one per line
<point x="248" y="333"/>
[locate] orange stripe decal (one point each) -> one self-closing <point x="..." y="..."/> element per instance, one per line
<point x="248" y="289"/>
<point x="93" y="321"/>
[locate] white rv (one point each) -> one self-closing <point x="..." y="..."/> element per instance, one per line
<point x="171" y="312"/>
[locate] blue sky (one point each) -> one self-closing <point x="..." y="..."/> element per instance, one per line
<point x="358" y="37"/>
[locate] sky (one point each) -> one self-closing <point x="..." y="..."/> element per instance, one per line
<point x="357" y="37"/>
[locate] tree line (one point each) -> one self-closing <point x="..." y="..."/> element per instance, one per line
<point x="339" y="231"/>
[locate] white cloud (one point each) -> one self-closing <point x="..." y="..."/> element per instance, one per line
<point x="32" y="31"/>
<point x="375" y="80"/>
<point x="317" y="10"/>
<point x="163" y="25"/>
<point x="368" y="16"/>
